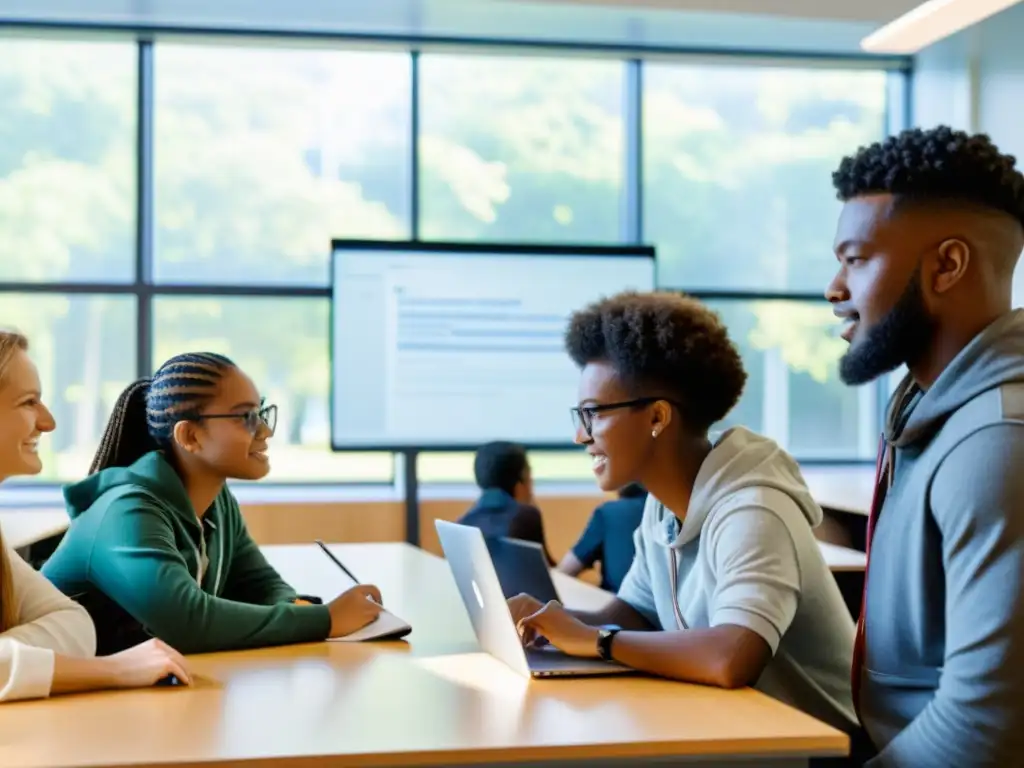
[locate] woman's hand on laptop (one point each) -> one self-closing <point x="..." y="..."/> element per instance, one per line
<point x="554" y="624"/>
<point x="522" y="605"/>
<point x="354" y="609"/>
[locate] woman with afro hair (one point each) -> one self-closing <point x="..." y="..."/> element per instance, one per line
<point x="728" y="586"/>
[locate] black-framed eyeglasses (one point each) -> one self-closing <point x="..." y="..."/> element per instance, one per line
<point x="251" y="420"/>
<point x="583" y="415"/>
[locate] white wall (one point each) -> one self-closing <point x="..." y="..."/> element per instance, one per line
<point x="975" y="81"/>
<point x="943" y="84"/>
<point x="1000" y="95"/>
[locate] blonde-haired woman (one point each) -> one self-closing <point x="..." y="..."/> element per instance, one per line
<point x="47" y="641"/>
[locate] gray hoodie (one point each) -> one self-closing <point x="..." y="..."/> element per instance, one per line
<point x="745" y="554"/>
<point x="943" y="677"/>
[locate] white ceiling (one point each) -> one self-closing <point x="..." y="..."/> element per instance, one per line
<point x="847" y="10"/>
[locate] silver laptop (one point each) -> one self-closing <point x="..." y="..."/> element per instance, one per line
<point x="470" y="561"/>
<point x="522" y="568"/>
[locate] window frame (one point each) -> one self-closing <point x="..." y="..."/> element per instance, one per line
<point x="631" y="229"/>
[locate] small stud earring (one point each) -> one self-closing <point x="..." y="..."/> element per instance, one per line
<point x="654" y="433"/>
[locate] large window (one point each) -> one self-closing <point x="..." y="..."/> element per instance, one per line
<point x="253" y="157"/>
<point x="264" y="155"/>
<point x="67" y="161"/>
<point x="738" y="198"/>
<point x="738" y="168"/>
<point x="521" y="149"/>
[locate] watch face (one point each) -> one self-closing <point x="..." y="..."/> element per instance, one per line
<point x="604" y="643"/>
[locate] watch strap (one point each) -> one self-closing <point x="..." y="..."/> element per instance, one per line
<point x="605" y="637"/>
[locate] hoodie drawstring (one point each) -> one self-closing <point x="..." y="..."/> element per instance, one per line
<point x="883" y="482"/>
<point x="673" y="576"/>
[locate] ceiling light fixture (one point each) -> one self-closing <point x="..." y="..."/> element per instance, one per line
<point x="930" y="22"/>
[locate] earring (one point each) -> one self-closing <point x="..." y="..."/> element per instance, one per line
<point x="654" y="433"/>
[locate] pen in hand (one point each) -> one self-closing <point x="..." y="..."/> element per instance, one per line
<point x="344" y="570"/>
<point x="336" y="561"/>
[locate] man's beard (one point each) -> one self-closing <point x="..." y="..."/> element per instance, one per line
<point x="898" y="338"/>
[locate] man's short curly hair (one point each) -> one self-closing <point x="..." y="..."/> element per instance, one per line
<point x="663" y="344"/>
<point x="939" y="164"/>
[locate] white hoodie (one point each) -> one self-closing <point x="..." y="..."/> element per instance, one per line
<point x="746" y="555"/>
<point x="48" y="622"/>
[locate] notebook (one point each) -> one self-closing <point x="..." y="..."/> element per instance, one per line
<point x="386" y="626"/>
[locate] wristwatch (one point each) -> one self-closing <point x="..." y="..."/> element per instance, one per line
<point x="604" y="642"/>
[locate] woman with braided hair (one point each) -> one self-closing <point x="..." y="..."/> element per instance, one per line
<point x="47" y="642"/>
<point x="157" y="545"/>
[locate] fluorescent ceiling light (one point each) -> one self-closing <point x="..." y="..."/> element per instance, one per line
<point x="930" y="22"/>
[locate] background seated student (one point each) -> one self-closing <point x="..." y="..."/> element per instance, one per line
<point x="506" y="505"/>
<point x="47" y="641"/>
<point x="157" y="545"/>
<point x="726" y="566"/>
<point x="608" y="538"/>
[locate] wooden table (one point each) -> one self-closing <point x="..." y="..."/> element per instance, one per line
<point x="23" y="528"/>
<point x="845" y="495"/>
<point x="844" y="489"/>
<point x="843" y="559"/>
<point x="434" y="700"/>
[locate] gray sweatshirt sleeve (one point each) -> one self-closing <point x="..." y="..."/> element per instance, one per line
<point x="756" y="570"/>
<point x="636" y="589"/>
<point x="977" y="715"/>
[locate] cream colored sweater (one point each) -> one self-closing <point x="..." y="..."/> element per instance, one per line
<point x="48" y="623"/>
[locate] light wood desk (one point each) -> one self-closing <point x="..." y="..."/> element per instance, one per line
<point x="23" y="528"/>
<point x="846" y="489"/>
<point x="436" y="700"/>
<point x="843" y="559"/>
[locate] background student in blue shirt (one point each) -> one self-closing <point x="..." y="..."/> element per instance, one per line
<point x="506" y="506"/>
<point x="608" y="538"/>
